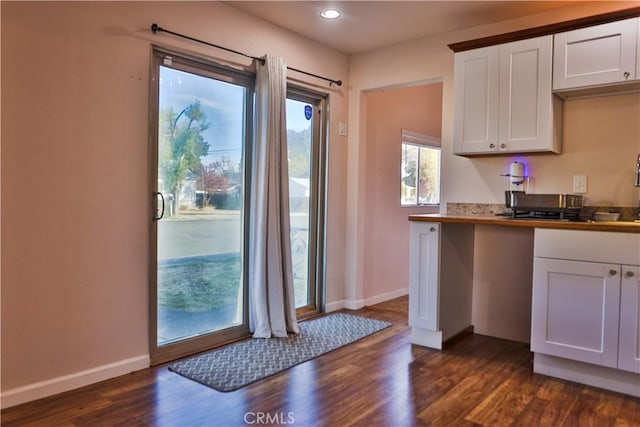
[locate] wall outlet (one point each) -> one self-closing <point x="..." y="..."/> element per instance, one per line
<point x="579" y="184"/>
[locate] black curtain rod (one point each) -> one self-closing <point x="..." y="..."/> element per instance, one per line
<point x="155" y="28"/>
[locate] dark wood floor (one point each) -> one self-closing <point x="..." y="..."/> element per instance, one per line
<point x="381" y="380"/>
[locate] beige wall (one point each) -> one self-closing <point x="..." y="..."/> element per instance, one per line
<point x="416" y="108"/>
<point x="75" y="174"/>
<point x="606" y="125"/>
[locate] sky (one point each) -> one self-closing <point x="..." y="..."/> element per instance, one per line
<point x="223" y="105"/>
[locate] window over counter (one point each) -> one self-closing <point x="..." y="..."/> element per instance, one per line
<point x="420" y="169"/>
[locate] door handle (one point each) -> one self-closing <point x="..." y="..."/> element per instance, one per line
<point x="156" y="217"/>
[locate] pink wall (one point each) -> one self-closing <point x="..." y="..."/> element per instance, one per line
<point x="75" y="176"/>
<point x="386" y="253"/>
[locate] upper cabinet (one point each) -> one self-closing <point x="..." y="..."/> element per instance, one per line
<point x="503" y="101"/>
<point x="476" y="99"/>
<point x="599" y="55"/>
<point x="508" y="97"/>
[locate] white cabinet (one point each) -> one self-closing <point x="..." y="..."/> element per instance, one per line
<point x="575" y="311"/>
<point x="476" y="98"/>
<point x="638" y="51"/>
<point x="503" y="101"/>
<point x="440" y="281"/>
<point x="424" y="262"/>
<point x="583" y="309"/>
<point x="598" y="55"/>
<point x="629" y="355"/>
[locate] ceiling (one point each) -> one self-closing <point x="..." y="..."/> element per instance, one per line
<point x="366" y="25"/>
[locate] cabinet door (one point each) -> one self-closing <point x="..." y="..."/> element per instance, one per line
<point x="575" y="310"/>
<point x="526" y="113"/>
<point x="476" y="100"/>
<point x="596" y="55"/>
<point x="424" y="261"/>
<point x="638" y="50"/>
<point x="629" y="353"/>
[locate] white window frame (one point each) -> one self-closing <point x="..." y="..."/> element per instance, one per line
<point x="421" y="140"/>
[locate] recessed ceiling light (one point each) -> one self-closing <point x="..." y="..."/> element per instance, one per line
<point x="330" y="13"/>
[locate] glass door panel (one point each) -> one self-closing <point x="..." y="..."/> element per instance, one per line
<point x="300" y="144"/>
<point x="199" y="237"/>
<point x="306" y="154"/>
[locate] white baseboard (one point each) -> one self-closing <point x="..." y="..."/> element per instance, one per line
<point x="350" y="304"/>
<point x="386" y="296"/>
<point x="426" y="338"/>
<point x="358" y="304"/>
<point x="345" y="303"/>
<point x="586" y="373"/>
<point x="333" y="306"/>
<point x="64" y="383"/>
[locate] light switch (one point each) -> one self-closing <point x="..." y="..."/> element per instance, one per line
<point x="579" y="184"/>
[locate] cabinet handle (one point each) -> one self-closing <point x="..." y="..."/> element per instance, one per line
<point x="626" y="75"/>
<point x="629" y="274"/>
<point x="492" y="145"/>
<point x="613" y="272"/>
<point x="503" y="145"/>
<point x="432" y="229"/>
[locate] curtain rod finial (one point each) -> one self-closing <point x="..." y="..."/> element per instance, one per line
<point x="154" y="28"/>
<point x="339" y="82"/>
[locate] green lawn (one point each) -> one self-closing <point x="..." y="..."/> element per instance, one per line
<point x="197" y="284"/>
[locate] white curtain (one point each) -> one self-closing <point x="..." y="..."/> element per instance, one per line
<point x="272" y="303"/>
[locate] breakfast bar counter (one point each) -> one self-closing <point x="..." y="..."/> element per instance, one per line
<point x="614" y="226"/>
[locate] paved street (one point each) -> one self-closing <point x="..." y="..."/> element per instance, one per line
<point x="205" y="234"/>
<point x="199" y="236"/>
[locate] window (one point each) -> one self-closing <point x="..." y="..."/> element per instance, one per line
<point x="420" y="169"/>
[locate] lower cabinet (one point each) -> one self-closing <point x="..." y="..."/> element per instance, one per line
<point x="576" y="310"/>
<point x="629" y="345"/>
<point x="424" y="267"/>
<point x="586" y="306"/>
<point x="440" y="281"/>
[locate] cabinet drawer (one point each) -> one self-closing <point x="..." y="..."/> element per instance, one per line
<point x="595" y="246"/>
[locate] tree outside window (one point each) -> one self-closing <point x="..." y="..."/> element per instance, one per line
<point x="420" y="170"/>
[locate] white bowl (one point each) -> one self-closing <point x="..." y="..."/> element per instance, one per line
<point x="606" y="216"/>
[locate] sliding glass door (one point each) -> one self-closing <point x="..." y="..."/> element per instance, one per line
<point x="203" y="122"/>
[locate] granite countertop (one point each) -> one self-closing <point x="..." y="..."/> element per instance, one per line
<point x="615" y="226"/>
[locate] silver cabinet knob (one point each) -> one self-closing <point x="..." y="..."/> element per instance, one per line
<point x="503" y="145"/>
<point x="432" y="229"/>
<point x="626" y="75"/>
<point x="492" y="145"/>
<point x="613" y="272"/>
<point x="629" y="274"/>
